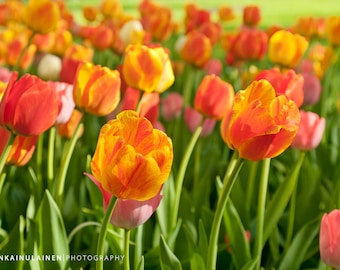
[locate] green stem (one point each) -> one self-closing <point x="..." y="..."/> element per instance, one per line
<point x="103" y="231"/>
<point x="127" y="249"/>
<point x="291" y="218"/>
<point x="50" y="156"/>
<point x="261" y="206"/>
<point x="80" y="227"/>
<point x="138" y="245"/>
<point x="67" y="154"/>
<point x="188" y="84"/>
<point x="5" y="153"/>
<point x="228" y="182"/>
<point x="181" y="172"/>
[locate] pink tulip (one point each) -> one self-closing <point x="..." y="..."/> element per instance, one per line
<point x="193" y="119"/>
<point x="310" y="131"/>
<point x="329" y="239"/>
<point x="128" y="214"/>
<point x="66" y="103"/>
<point x="311" y="88"/>
<point x="172" y="106"/>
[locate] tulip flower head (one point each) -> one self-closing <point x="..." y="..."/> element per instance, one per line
<point x="96" y="89"/>
<point x="329" y="239"/>
<point x="29" y="106"/>
<point x="41" y="16"/>
<point x="261" y="125"/>
<point x="132" y="159"/>
<point x="214" y="97"/>
<point x="310" y="132"/>
<point x="148" y="68"/>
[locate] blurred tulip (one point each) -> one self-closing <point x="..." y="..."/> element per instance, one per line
<point x="214" y="66"/>
<point x="29" y="105"/>
<point x="211" y="30"/>
<point x="226" y="13"/>
<point x="132" y="160"/>
<point x="67" y="129"/>
<point x="41" y="16"/>
<point x="149" y="106"/>
<point x="90" y="13"/>
<point x="261" y="124"/>
<point x="65" y="100"/>
<point x="132" y="32"/>
<point x="69" y="67"/>
<point x="194" y="17"/>
<point x="96" y="89"/>
<point x="62" y="42"/>
<point x="5" y="75"/>
<point x="311" y="88"/>
<point x="102" y="37"/>
<point x="194" y="118"/>
<point x="79" y="52"/>
<point x="286" y="49"/>
<point x="310" y="132"/>
<point x="22" y="150"/>
<point x="15" y="49"/>
<point x="110" y="8"/>
<point x="310" y="27"/>
<point x="172" y="106"/>
<point x="329" y="239"/>
<point x="251" y="15"/>
<point x="148" y="69"/>
<point x="195" y="48"/>
<point x="285" y="83"/>
<point x="333" y="30"/>
<point x="214" y="97"/>
<point x="49" y="67"/>
<point x="44" y="42"/>
<point x="249" y="44"/>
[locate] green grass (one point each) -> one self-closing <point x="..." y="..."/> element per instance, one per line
<point x="278" y="12"/>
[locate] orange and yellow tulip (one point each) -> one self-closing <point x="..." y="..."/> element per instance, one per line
<point x="251" y="15"/>
<point x="29" y="106"/>
<point x="41" y="16"/>
<point x="333" y="30"/>
<point x="260" y="125"/>
<point x="96" y="89"/>
<point x="147" y="68"/>
<point x="214" y="97"/>
<point x="132" y="159"/>
<point x="286" y="49"/>
<point x="195" y="48"/>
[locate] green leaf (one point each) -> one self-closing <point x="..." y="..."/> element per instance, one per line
<point x="240" y="250"/>
<point x="50" y="234"/>
<point x="197" y="262"/>
<point x="299" y="247"/>
<point x="13" y="245"/>
<point x="168" y="260"/>
<point x="280" y="199"/>
<point x="203" y="242"/>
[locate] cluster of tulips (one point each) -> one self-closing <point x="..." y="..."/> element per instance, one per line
<point x="140" y="142"/>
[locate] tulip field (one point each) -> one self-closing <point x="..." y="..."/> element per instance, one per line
<point x="165" y="135"/>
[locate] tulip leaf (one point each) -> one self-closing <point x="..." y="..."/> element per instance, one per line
<point x="239" y="246"/>
<point x="297" y="250"/>
<point x="13" y="245"/>
<point x="50" y="233"/>
<point x="168" y="259"/>
<point x="280" y="199"/>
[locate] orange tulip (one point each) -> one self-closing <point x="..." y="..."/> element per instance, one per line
<point x="102" y="37"/>
<point x="132" y="160"/>
<point x="333" y="30"/>
<point x="261" y="125"/>
<point x="96" y="89"/>
<point x="148" y="69"/>
<point x="214" y="97"/>
<point x="42" y="16"/>
<point x="285" y="83"/>
<point x="226" y="13"/>
<point x="248" y="44"/>
<point x="29" y="105"/>
<point x="22" y="150"/>
<point x="15" y="48"/>
<point x="66" y="130"/>
<point x="251" y="15"/>
<point x="286" y="49"/>
<point x="90" y="13"/>
<point x="195" y="48"/>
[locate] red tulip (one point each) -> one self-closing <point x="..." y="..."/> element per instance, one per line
<point x="29" y="105"/>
